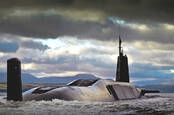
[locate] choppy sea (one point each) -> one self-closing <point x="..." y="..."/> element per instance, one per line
<point x="151" y="104"/>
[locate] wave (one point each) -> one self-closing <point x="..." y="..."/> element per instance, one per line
<point x="149" y="104"/>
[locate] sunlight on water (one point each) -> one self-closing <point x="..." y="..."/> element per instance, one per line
<point x="150" y="104"/>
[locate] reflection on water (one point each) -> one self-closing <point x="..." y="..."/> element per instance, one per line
<point x="150" y="104"/>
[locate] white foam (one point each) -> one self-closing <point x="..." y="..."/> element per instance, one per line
<point x="148" y="104"/>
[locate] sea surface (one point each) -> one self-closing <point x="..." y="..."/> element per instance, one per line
<point x="151" y="104"/>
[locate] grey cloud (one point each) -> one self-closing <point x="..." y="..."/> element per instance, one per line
<point x="34" y="45"/>
<point x="23" y="42"/>
<point x="62" y="21"/>
<point x="65" y="63"/>
<point x="142" y="10"/>
<point x="74" y="60"/>
<point x="101" y="51"/>
<point x="42" y="26"/>
<point x="156" y="74"/>
<point x="8" y="47"/>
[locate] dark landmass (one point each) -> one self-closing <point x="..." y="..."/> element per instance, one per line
<point x="30" y="79"/>
<point x="25" y="87"/>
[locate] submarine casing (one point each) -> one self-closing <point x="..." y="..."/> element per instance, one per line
<point x="96" y="92"/>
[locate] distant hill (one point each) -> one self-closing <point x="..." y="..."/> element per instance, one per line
<point x="67" y="79"/>
<point x="28" y="78"/>
<point x="161" y="87"/>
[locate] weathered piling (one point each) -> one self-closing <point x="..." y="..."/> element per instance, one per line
<point x="14" y="83"/>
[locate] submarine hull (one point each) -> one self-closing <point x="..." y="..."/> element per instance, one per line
<point x="99" y="91"/>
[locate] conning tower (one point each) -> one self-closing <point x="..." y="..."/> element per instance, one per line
<point x="122" y="73"/>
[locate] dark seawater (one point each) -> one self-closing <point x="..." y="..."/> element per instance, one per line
<point x="151" y="104"/>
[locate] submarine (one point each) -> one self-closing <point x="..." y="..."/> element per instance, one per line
<point x="100" y="90"/>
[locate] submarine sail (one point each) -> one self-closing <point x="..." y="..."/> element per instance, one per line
<point x="122" y="73"/>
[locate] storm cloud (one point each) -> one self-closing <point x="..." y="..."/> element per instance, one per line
<point x="152" y="10"/>
<point x="88" y="19"/>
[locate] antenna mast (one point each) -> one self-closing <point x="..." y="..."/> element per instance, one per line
<point x="120" y="46"/>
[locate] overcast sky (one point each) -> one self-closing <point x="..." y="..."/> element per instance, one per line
<point x="67" y="37"/>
